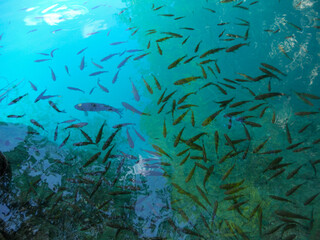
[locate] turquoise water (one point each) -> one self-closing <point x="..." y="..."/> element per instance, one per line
<point x="72" y="71"/>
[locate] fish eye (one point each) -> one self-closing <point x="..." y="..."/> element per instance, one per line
<point x="79" y="104"/>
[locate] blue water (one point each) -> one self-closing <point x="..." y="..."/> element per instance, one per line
<point x="49" y="189"/>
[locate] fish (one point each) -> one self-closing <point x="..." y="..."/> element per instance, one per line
<point x="287" y="214"/>
<point x="86" y="136"/>
<point x="273" y="68"/>
<point x="44" y="54"/>
<point x="77" y="125"/>
<point x="97" y="65"/>
<point x="294" y="172"/>
<point x="51" y="53"/>
<point x="209" y="119"/>
<point x="283" y="51"/>
<point x="148" y="86"/>
<point x="17" y="99"/>
<point x="184" y="159"/>
<point x="131" y="108"/>
<point x="237" y="104"/>
<point x="75" y="89"/>
<point x="56" y="133"/>
<point x="135" y="92"/>
<point x="139" y="135"/>
<point x="42" y="97"/>
<point x="288" y="134"/>
<point x="236" y="47"/>
<point x="161" y="108"/>
<point x="134" y="50"/>
<point x="42" y="60"/>
<point x="82" y="50"/>
<point x="177" y="139"/>
<point x="192" y="119"/>
<point x="99" y="135"/>
<point x="168" y="96"/>
<point x="260" y="146"/>
<point x="195" y="138"/>
<point x="187" y="28"/>
<point x="185" y="80"/>
<point x="181" y="100"/>
<point x="115" y="77"/>
<point x="124" y="61"/>
<point x="203" y="195"/>
<point x="33" y="86"/>
<point x="34" y="122"/>
<point x="270" y="74"/>
<point x="309" y="200"/>
<point x="203" y="72"/>
<point x="110" y="139"/>
<point x="295" y="26"/>
<point x="185" y="40"/>
<point x="305" y="113"/>
<point x="163" y="39"/>
<point x="176" y="62"/>
<point x="54" y="106"/>
<point x="164" y="132"/>
<point x="174" y="104"/>
<point x="117" y="43"/>
<point x="230" y="142"/>
<point x="108" y="57"/>
<point x="293" y="189"/>
<point x="190" y="59"/>
<point x="176" y="35"/>
<point x="197" y="47"/>
<point x="92" y="159"/>
<point x="120" y="125"/>
<point x="268" y="95"/>
<point x="211" y="51"/>
<point x="67" y="69"/>
<point x="53" y="76"/>
<point x="160" y="150"/>
<point x="190" y="175"/>
<point x="308" y="95"/>
<point x="130" y="141"/>
<point x="141" y="56"/>
<point x="97" y="107"/>
<point x="82" y="64"/>
<point x="97" y="73"/>
<point x="179" y="119"/>
<point x="16" y="116"/>
<point x="228" y="172"/>
<point x="159" y="49"/>
<point x="211" y="10"/>
<point x="157" y="82"/>
<point x="64" y="141"/>
<point x="305" y="100"/>
<point x="103" y="88"/>
<point x="220" y="89"/>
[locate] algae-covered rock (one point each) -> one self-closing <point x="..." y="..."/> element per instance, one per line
<point x="46" y="194"/>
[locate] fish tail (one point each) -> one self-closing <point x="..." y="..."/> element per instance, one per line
<point x="120" y="112"/>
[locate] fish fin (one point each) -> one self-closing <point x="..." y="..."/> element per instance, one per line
<point x="120" y="112"/>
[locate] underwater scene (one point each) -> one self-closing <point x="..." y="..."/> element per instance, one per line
<point x="136" y="119"/>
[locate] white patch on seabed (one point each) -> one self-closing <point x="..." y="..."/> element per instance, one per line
<point x="314" y="73"/>
<point x="92" y="27"/>
<point x="301" y="57"/>
<point x="53" y="16"/>
<point x="302" y="4"/>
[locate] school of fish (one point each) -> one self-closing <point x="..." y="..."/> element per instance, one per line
<point x="233" y="160"/>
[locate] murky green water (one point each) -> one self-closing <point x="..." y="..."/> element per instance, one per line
<point x="159" y="120"/>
